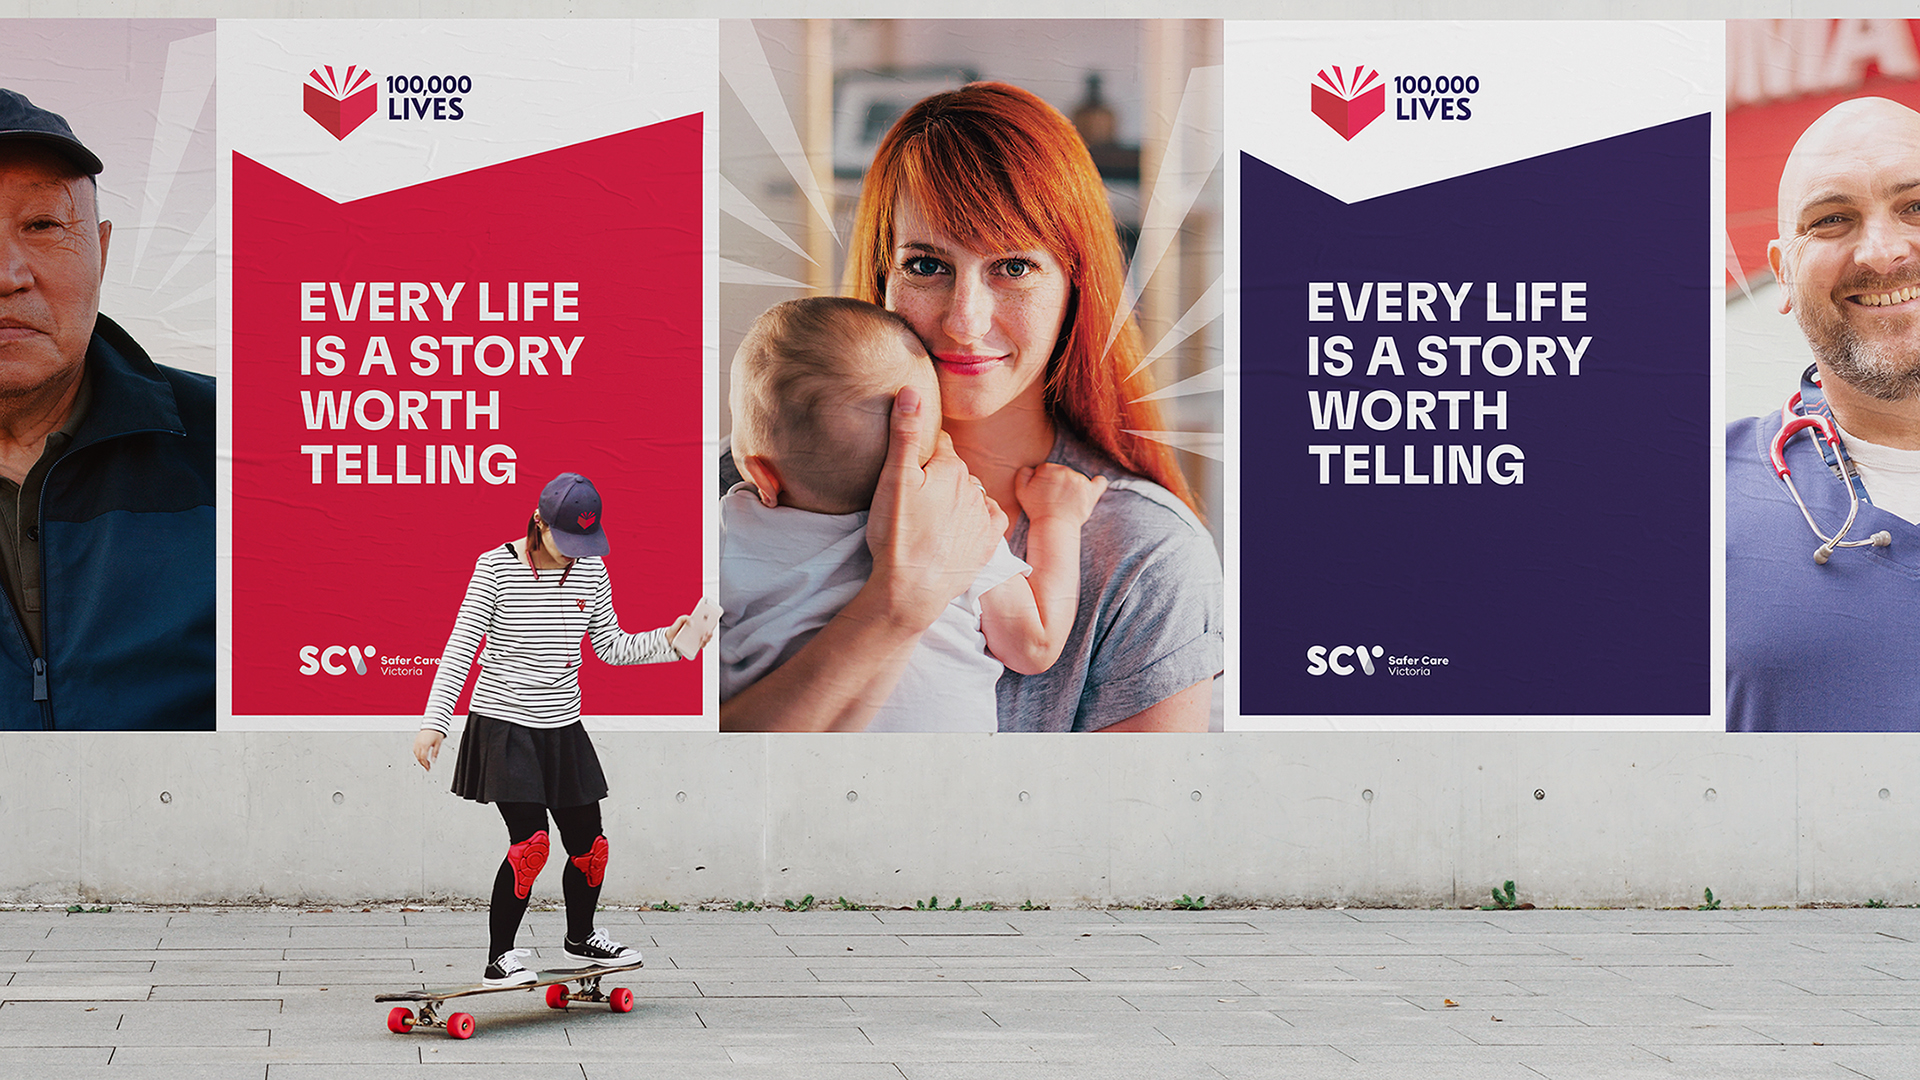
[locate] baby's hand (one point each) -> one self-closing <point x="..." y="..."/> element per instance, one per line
<point x="1056" y="491"/>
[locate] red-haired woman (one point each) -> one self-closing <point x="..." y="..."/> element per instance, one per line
<point x="984" y="223"/>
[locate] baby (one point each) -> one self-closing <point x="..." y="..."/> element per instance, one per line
<point x="813" y="387"/>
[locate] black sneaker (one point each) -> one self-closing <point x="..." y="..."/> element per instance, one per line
<point x="599" y="950"/>
<point x="507" y="970"/>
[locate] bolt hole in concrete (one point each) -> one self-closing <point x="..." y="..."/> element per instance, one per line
<point x="679" y="796"/>
<point x="1195" y="796"/>
<point x="166" y="796"/>
<point x="1885" y="794"/>
<point x="1366" y="795"/>
<point x="1024" y="796"/>
<point x="853" y="796"/>
<point x="1712" y="794"/>
<point x="1539" y="793"/>
<point x="339" y="797"/>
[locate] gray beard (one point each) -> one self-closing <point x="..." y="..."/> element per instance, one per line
<point x="1889" y="371"/>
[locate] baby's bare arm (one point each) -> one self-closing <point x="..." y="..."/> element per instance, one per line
<point x="1027" y="620"/>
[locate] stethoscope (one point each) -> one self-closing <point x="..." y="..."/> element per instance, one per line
<point x="1807" y="410"/>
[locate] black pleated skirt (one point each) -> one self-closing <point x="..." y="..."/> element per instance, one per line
<point x="506" y="762"/>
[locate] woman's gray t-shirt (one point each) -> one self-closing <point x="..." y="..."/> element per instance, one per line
<point x="1152" y="604"/>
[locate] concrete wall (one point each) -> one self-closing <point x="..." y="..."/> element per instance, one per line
<point x="1625" y="819"/>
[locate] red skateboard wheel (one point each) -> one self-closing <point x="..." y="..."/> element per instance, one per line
<point x="621" y="1000"/>
<point x="460" y="1026"/>
<point x="557" y="996"/>
<point x="400" y="1020"/>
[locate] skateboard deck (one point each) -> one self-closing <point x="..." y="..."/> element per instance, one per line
<point x="402" y="1020"/>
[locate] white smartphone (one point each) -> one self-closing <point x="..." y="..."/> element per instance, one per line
<point x="700" y="623"/>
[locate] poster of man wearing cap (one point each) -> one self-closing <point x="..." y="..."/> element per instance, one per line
<point x="107" y="472"/>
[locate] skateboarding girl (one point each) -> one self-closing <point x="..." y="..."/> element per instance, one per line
<point x="524" y="749"/>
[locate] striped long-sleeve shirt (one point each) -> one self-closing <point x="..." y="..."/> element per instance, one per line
<point x="529" y="671"/>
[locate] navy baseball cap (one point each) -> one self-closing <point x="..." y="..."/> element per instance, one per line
<point x="571" y="508"/>
<point x="22" y="119"/>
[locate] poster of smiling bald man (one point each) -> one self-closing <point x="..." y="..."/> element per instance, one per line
<point x="1823" y="486"/>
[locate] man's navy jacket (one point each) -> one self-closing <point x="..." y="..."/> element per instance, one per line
<point x="127" y="553"/>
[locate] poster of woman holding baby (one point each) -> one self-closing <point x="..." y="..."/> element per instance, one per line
<point x="1025" y="211"/>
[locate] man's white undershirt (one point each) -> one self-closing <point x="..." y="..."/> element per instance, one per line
<point x="1891" y="476"/>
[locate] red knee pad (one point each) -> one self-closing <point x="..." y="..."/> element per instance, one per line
<point x="526" y="858"/>
<point x="594" y="863"/>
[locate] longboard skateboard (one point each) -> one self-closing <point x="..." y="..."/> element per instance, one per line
<point x="402" y="1020"/>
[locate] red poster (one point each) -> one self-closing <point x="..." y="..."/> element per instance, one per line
<point x="410" y="368"/>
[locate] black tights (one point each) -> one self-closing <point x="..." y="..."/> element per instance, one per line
<point x="579" y="828"/>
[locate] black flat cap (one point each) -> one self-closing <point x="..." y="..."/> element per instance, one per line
<point x="22" y="119"/>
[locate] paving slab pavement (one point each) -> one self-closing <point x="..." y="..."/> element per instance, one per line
<point x="284" y="994"/>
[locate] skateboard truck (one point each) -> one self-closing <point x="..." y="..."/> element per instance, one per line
<point x="619" y="999"/>
<point x="402" y="1021"/>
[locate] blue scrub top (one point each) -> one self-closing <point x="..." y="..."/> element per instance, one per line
<point x="1811" y="647"/>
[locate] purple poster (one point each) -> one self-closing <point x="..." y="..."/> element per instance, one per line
<point x="1475" y="404"/>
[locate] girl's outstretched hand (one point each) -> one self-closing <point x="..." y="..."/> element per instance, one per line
<point x="426" y="747"/>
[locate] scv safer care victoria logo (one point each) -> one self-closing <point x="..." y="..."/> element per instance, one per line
<point x="1359" y="659"/>
<point x="315" y="659"/>
<point x="341" y="659"/>
<point x="1349" y="99"/>
<point x="342" y="101"/>
<point x="1321" y="659"/>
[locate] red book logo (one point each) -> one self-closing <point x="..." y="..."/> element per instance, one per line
<point x="1349" y="100"/>
<point x="587" y="519"/>
<point x="341" y="103"/>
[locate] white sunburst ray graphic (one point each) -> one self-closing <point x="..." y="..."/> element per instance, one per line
<point x="750" y="76"/>
<point x="1193" y="154"/>
<point x="195" y="243"/>
<point x="203" y="293"/>
<point x="735" y="272"/>
<point x="737" y="205"/>
<point x="1735" y="271"/>
<point x="185" y="89"/>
